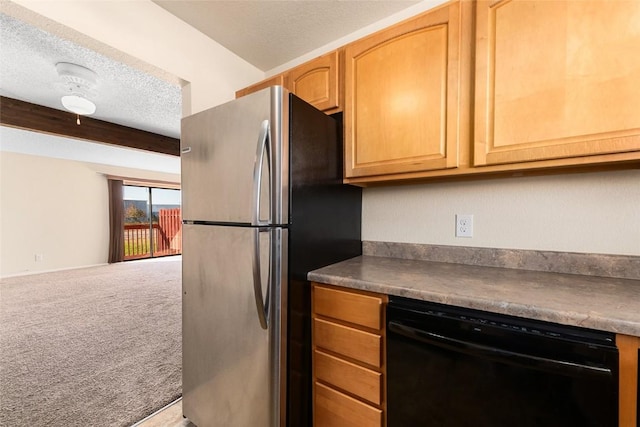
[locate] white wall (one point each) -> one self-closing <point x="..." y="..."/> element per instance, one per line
<point x="591" y="212"/>
<point x="57" y="208"/>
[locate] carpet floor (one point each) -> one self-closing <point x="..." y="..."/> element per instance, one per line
<point x="98" y="346"/>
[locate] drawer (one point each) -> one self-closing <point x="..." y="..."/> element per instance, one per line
<point x="356" y="344"/>
<point x="334" y="409"/>
<point x="350" y="307"/>
<point x="361" y="382"/>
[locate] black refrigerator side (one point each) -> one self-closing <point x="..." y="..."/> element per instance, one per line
<point x="324" y="228"/>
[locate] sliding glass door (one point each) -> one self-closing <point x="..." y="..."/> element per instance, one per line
<point x="167" y="219"/>
<point x="152" y="222"/>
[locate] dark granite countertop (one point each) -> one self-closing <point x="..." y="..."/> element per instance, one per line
<point x="608" y="304"/>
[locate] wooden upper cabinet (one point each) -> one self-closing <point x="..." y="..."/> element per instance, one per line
<point x="277" y="80"/>
<point x="318" y="82"/>
<point x="402" y="99"/>
<point x="556" y="79"/>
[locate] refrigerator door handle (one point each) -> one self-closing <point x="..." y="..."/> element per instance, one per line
<point x="261" y="305"/>
<point x="263" y="146"/>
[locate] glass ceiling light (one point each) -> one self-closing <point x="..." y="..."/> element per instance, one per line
<point x="79" y="105"/>
<point x="78" y="83"/>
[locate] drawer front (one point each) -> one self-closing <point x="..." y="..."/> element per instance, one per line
<point x="350" y="307"/>
<point x="347" y="376"/>
<point x="334" y="409"/>
<point x="359" y="345"/>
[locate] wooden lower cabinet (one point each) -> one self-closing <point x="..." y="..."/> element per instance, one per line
<point x="348" y="376"/>
<point x="629" y="350"/>
<point x="349" y="361"/>
<point x="348" y="306"/>
<point x="362" y="346"/>
<point x="349" y="357"/>
<point x="335" y="409"/>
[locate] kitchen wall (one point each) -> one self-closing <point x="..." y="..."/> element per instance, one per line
<point x="590" y="212"/>
<point x="56" y="208"/>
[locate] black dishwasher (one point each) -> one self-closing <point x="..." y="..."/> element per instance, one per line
<point x="449" y="366"/>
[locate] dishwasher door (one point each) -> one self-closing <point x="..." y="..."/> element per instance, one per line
<point x="455" y="367"/>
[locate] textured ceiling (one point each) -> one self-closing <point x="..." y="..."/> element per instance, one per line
<point x="270" y="33"/>
<point x="134" y="94"/>
<point x="123" y="95"/>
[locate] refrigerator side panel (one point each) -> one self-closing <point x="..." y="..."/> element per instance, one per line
<point x="325" y="214"/>
<point x="325" y="224"/>
<point x="218" y="153"/>
<point x="226" y="372"/>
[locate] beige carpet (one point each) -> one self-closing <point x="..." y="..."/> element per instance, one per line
<point x="98" y="346"/>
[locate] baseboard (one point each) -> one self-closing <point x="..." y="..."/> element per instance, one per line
<point x="32" y="272"/>
<point x="157" y="412"/>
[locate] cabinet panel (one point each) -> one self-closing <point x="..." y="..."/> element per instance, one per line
<point x="350" y="342"/>
<point x="556" y="79"/>
<point x="277" y="80"/>
<point x="628" y="348"/>
<point x="350" y="377"/>
<point x="402" y="97"/>
<point x="318" y="82"/>
<point x="350" y="307"/>
<point x="334" y="409"/>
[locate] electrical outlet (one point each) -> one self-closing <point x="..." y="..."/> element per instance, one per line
<point x="464" y="225"/>
<point x="39" y="257"/>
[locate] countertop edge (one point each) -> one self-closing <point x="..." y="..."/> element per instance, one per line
<point x="587" y="319"/>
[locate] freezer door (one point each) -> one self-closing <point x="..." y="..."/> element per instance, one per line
<point x="232" y="369"/>
<point x="232" y="161"/>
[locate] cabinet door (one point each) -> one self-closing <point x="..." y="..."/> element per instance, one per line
<point x="556" y="79"/>
<point x="362" y="310"/>
<point x="318" y="82"/>
<point x="335" y="409"/>
<point x="277" y="80"/>
<point x="402" y="96"/>
<point x="358" y="345"/>
<point x="629" y="349"/>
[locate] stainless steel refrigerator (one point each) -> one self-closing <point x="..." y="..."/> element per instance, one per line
<point x="263" y="203"/>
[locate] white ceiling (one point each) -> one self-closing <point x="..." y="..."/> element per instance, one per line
<point x="270" y="33"/>
<point x="264" y="33"/>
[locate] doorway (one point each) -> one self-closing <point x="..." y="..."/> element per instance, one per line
<point x="152" y="222"/>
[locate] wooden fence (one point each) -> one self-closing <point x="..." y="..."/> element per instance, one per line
<point x="170" y="222"/>
<point x="167" y="236"/>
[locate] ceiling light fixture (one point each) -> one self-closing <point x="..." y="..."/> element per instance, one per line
<point x="78" y="105"/>
<point x="78" y="84"/>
